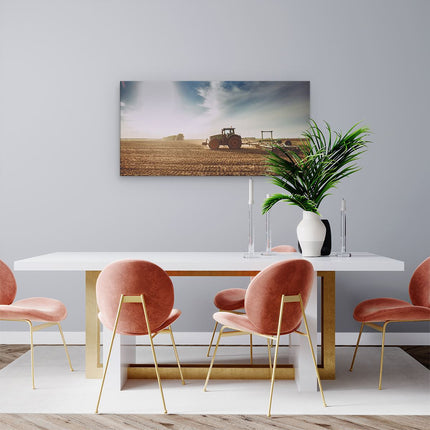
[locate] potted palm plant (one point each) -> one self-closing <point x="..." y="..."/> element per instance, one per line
<point x="308" y="174"/>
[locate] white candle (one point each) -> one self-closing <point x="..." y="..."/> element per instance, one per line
<point x="343" y="205"/>
<point x="267" y="196"/>
<point x="251" y="192"/>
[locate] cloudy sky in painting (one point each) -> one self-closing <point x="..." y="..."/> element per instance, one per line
<point x="198" y="109"/>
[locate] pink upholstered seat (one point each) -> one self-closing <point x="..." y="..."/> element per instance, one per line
<point x="287" y="284"/>
<point x="230" y="299"/>
<point x="263" y="297"/>
<point x="33" y="309"/>
<point x="136" y="298"/>
<point x="174" y="315"/>
<point x="387" y="310"/>
<point x="242" y="322"/>
<point x="284" y="248"/>
<point x="233" y="299"/>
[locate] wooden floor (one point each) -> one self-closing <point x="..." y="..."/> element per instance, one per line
<point x="200" y="422"/>
<point x="9" y="353"/>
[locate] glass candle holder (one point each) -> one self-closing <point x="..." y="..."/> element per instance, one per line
<point x="251" y="250"/>
<point x="268" y="250"/>
<point x="343" y="252"/>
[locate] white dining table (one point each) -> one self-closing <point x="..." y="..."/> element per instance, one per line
<point x="218" y="264"/>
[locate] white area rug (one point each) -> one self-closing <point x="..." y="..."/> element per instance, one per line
<point x="406" y="387"/>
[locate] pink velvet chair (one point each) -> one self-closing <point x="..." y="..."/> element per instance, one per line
<point x="135" y="298"/>
<point x="386" y="310"/>
<point x="49" y="312"/>
<point x="232" y="299"/>
<point x="275" y="304"/>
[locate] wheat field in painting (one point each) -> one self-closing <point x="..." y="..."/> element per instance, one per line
<point x="188" y="158"/>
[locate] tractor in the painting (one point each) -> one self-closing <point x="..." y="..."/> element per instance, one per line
<point x="227" y="137"/>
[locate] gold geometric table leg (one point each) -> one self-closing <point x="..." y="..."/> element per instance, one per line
<point x="327" y="369"/>
<point x="93" y="367"/>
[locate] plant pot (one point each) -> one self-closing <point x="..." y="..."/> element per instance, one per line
<point x="326" y="246"/>
<point x="311" y="233"/>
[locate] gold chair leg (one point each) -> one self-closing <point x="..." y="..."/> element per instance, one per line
<point x="382" y="354"/>
<point x="153" y="353"/>
<point x="272" y="383"/>
<point x="250" y="348"/>
<point x="278" y="335"/>
<point x="213" y="358"/>
<point x="212" y="339"/>
<point x="32" y="352"/>
<point x="157" y="373"/>
<point x="313" y="353"/>
<point x="65" y="346"/>
<point x="356" y="347"/>
<point x="176" y="354"/>
<point x="109" y="353"/>
<point x="269" y="345"/>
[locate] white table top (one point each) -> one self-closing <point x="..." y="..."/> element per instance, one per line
<point x="204" y="261"/>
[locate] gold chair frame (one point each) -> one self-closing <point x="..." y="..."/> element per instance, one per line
<point x="271" y="338"/>
<point x="140" y="299"/>
<point x="214" y="331"/>
<point x="381" y="328"/>
<point x="37" y="328"/>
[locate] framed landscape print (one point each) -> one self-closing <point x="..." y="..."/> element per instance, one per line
<point x="208" y="128"/>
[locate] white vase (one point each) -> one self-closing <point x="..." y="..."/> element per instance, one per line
<point x="311" y="234"/>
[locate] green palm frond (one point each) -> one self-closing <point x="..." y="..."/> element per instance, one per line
<point x="293" y="199"/>
<point x="322" y="163"/>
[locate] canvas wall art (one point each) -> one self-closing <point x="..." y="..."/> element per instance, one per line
<point x="208" y="128"/>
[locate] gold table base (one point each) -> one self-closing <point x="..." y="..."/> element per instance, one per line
<point x="327" y="366"/>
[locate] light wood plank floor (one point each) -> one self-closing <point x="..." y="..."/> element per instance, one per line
<point x="9" y="353"/>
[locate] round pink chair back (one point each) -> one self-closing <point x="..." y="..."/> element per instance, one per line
<point x="7" y="285"/>
<point x="284" y="248"/>
<point x="263" y="296"/>
<point x="133" y="278"/>
<point x="419" y="286"/>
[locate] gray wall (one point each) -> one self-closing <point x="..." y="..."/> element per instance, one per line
<point x="60" y="67"/>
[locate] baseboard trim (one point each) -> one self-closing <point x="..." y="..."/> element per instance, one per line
<point x="202" y="338"/>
